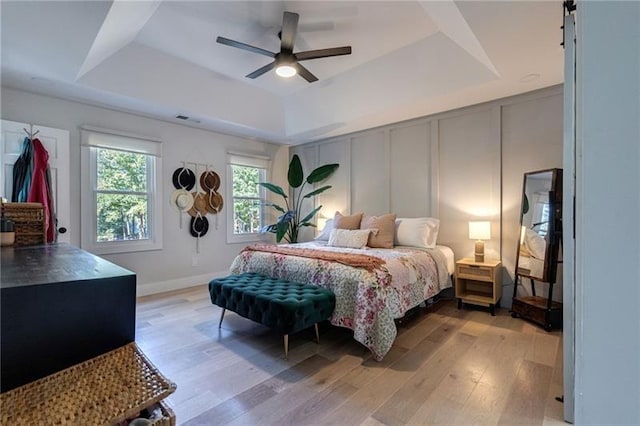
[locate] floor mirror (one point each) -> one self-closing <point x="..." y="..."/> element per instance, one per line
<point x="539" y="248"/>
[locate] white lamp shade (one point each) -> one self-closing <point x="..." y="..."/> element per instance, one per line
<point x="480" y="230"/>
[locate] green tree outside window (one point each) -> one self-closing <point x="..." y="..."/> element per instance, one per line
<point x="122" y="196"/>
<point x="247" y="212"/>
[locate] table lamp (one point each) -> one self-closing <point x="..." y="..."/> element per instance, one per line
<point x="479" y="231"/>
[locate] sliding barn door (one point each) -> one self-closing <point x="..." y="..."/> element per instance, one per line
<point x="568" y="235"/>
<point x="56" y="142"/>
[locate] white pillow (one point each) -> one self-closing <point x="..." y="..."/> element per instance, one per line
<point x="417" y="232"/>
<point x="535" y="243"/>
<point x="326" y="231"/>
<point x="350" y="238"/>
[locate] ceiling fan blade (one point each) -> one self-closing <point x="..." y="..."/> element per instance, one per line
<point x="323" y="53"/>
<point x="289" y="29"/>
<point x="260" y="71"/>
<point x="244" y="46"/>
<point x="305" y="73"/>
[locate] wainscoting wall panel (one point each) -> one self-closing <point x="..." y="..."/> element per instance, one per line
<point x="459" y="165"/>
<point x="470" y="182"/>
<point x="370" y="173"/>
<point x="339" y="197"/>
<point x="410" y="189"/>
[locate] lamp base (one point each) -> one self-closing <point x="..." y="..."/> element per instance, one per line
<point x="479" y="252"/>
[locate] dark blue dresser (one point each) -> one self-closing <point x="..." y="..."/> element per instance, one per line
<point x="60" y="305"/>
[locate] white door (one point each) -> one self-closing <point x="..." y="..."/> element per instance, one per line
<point x="56" y="142"/>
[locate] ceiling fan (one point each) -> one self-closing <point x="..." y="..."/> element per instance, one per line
<point x="287" y="63"/>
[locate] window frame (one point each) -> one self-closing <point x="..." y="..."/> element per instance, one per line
<point x="245" y="160"/>
<point x="94" y="139"/>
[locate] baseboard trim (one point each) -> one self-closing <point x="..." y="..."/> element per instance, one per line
<point x="177" y="284"/>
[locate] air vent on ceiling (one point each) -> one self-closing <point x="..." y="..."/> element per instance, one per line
<point x="186" y="118"/>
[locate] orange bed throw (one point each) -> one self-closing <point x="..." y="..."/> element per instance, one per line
<point x="370" y="263"/>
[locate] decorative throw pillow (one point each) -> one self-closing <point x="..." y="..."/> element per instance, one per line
<point x="347" y="222"/>
<point x="386" y="226"/>
<point x="417" y="232"/>
<point x="349" y="238"/>
<point x="326" y="231"/>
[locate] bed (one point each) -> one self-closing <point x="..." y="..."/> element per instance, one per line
<point x="368" y="299"/>
<point x="532" y="253"/>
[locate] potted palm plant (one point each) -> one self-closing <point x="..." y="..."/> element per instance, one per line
<point x="291" y="221"/>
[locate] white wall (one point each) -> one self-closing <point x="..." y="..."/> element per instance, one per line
<point x="170" y="267"/>
<point x="469" y="178"/>
<point x="458" y="166"/>
<point x="524" y="149"/>
<point x="607" y="293"/>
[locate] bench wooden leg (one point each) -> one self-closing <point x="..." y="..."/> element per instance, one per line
<point x="317" y="333"/>
<point x="286" y="346"/>
<point x="221" y="317"/>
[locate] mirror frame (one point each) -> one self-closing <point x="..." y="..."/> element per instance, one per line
<point x="554" y="231"/>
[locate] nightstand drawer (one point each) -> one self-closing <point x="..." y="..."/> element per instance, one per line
<point x="475" y="272"/>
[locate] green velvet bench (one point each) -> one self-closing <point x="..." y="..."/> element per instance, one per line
<point x="282" y="305"/>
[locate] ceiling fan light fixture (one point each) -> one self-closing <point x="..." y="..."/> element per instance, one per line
<point x="286" y="71"/>
<point x="286" y="63"/>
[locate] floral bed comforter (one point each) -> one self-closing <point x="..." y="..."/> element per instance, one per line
<point x="367" y="302"/>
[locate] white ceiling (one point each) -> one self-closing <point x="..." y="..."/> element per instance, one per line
<point x="160" y="59"/>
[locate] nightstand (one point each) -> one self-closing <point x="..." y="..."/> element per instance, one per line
<point x="479" y="283"/>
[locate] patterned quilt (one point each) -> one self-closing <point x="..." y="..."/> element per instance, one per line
<point x="367" y="302"/>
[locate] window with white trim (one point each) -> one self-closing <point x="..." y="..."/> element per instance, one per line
<point x="245" y="215"/>
<point x="121" y="198"/>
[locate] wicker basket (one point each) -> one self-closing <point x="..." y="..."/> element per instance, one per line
<point x="29" y="222"/>
<point x="168" y="417"/>
<point x="107" y="389"/>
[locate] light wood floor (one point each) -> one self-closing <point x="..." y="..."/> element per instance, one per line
<point x="447" y="366"/>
